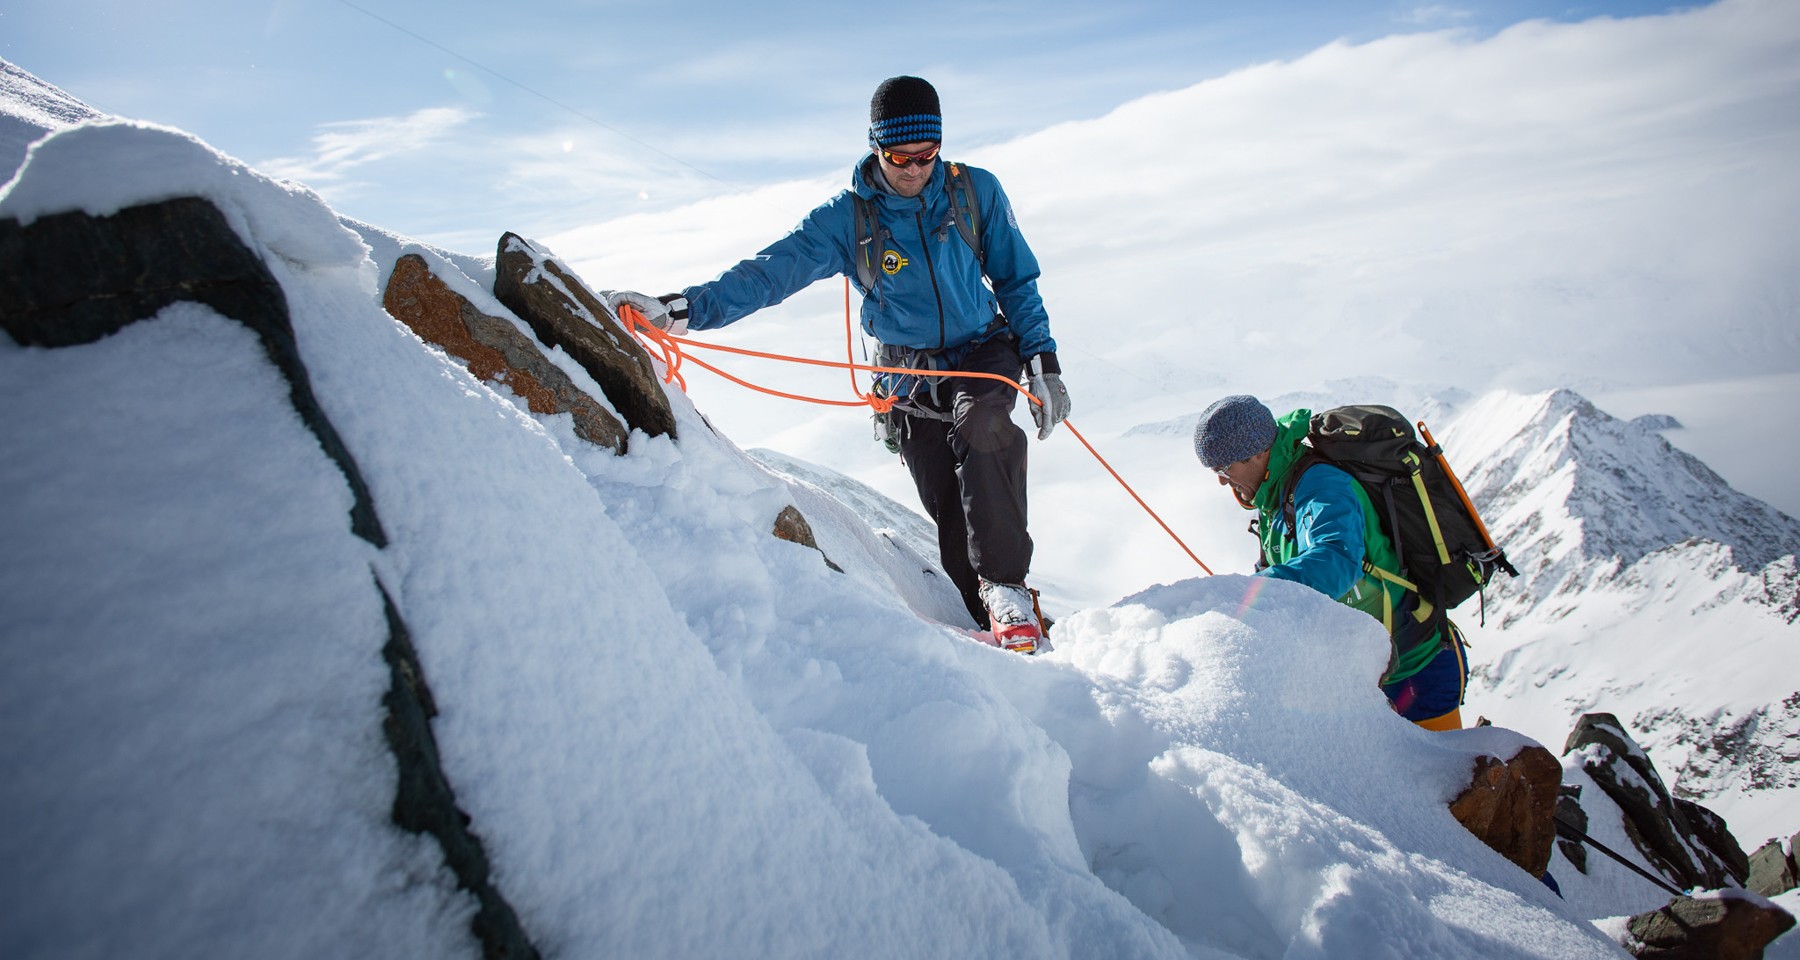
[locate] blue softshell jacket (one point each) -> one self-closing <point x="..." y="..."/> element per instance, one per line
<point x="929" y="293"/>
<point x="1330" y="541"/>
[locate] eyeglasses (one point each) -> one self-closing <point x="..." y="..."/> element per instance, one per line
<point x="1224" y="472"/>
<point x="902" y="159"/>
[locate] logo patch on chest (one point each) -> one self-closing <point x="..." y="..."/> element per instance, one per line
<point x="891" y="262"/>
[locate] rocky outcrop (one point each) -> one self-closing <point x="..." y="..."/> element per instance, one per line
<point x="791" y="525"/>
<point x="1684" y="841"/>
<point x="70" y="278"/>
<point x="1774" y="870"/>
<point x="1509" y="805"/>
<point x="564" y="313"/>
<point x="494" y="350"/>
<point x="1569" y="811"/>
<point x="1712" y="928"/>
<point x="424" y="802"/>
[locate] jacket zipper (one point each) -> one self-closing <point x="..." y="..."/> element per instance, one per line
<point x="930" y="270"/>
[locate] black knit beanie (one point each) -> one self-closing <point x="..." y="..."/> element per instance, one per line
<point x="904" y="110"/>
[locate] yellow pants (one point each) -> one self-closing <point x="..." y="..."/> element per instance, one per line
<point x="1443" y="721"/>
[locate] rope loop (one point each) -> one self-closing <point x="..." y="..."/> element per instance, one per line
<point x="674" y="355"/>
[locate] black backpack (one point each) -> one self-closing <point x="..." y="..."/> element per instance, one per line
<point x="1446" y="553"/>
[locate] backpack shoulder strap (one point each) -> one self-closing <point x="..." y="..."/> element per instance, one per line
<point x="1291" y="482"/>
<point x="965" y="209"/>
<point x="866" y="250"/>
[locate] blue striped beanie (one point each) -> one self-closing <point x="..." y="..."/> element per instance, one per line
<point x="904" y="110"/>
<point x="1234" y="428"/>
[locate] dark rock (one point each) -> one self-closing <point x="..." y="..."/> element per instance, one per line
<point x="494" y="350"/>
<point x="1570" y="811"/>
<point x="70" y="279"/>
<point x="1727" y="928"/>
<point x="564" y="313"/>
<point x="424" y="802"/>
<point x="791" y="525"/>
<point x="1710" y="829"/>
<point x="1509" y="806"/>
<point x="1771" y="870"/>
<point x="1663" y="831"/>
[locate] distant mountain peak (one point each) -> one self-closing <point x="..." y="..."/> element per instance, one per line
<point x="1576" y="484"/>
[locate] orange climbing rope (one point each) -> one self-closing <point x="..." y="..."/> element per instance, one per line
<point x="674" y="355"/>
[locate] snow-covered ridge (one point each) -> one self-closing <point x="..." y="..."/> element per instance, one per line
<point x="675" y="734"/>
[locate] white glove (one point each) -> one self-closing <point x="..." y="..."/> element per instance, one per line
<point x="1053" y="398"/>
<point x="667" y="312"/>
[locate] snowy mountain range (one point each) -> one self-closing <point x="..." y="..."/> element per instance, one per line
<point x="667" y="733"/>
<point x="1648" y="588"/>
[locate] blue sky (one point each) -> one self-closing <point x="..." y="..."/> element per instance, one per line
<point x="430" y="118"/>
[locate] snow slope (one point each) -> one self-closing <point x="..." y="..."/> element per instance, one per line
<point x="675" y="734"/>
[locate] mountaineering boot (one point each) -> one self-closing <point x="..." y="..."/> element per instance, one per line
<point x="1013" y="616"/>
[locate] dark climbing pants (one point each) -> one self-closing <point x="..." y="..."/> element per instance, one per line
<point x="970" y="473"/>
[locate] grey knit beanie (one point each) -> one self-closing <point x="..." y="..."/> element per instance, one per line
<point x="1234" y="428"/>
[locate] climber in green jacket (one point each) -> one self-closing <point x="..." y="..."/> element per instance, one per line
<point x="1334" y="529"/>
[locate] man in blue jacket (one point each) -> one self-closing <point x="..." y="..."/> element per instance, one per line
<point x="1333" y="541"/>
<point x="928" y="306"/>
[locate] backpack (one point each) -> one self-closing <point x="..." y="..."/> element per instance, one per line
<point x="871" y="236"/>
<point x="1446" y="553"/>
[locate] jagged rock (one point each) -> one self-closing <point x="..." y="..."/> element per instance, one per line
<point x="564" y="313"/>
<point x="1509" y="806"/>
<point x="1570" y="811"/>
<point x="1712" y="833"/>
<point x="791" y="525"/>
<point x="1722" y="928"/>
<point x="494" y="350"/>
<point x="70" y="279"/>
<point x="1771" y="870"/>
<point x="1664" y="831"/>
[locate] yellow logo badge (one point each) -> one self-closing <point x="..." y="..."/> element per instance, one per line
<point x="891" y="262"/>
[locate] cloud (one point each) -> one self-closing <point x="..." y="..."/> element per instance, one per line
<point x="340" y="148"/>
<point x="1601" y="204"/>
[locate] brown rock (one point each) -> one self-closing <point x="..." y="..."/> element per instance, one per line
<point x="564" y="313"/>
<point x="1729" y="928"/>
<point x="1509" y="806"/>
<point x="494" y="350"/>
<point x="791" y="525"/>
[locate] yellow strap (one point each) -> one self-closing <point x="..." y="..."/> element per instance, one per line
<point x="1437" y="535"/>
<point x="1425" y="608"/>
<point x="1393" y="578"/>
